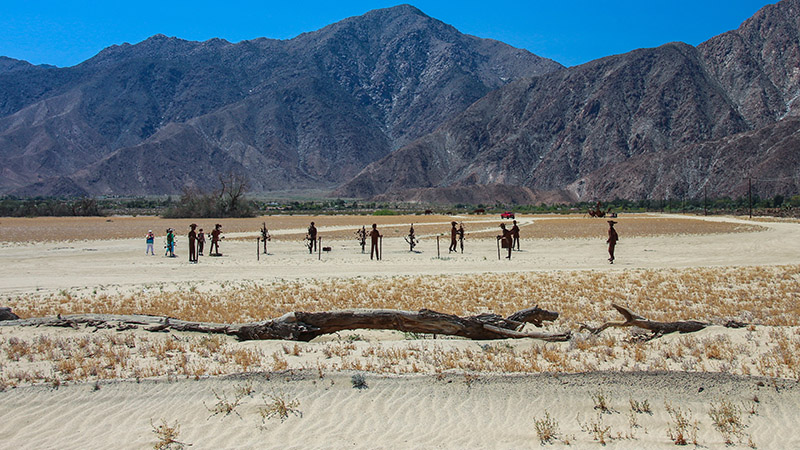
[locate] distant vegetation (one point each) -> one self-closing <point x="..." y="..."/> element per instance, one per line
<point x="230" y="201"/>
<point x="227" y="201"/>
<point x="33" y="207"/>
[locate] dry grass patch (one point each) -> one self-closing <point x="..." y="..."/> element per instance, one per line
<point x="284" y="227"/>
<point x="167" y="436"/>
<point x="279" y="406"/>
<point x="768" y="295"/>
<point x="51" y="229"/>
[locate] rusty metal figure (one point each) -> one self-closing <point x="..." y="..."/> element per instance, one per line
<point x="411" y="239"/>
<point x="361" y="235"/>
<point x="265" y="235"/>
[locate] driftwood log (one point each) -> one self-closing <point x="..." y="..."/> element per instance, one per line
<point x="658" y="328"/>
<point x="304" y="326"/>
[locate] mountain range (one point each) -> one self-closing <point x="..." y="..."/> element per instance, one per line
<point x="663" y="122"/>
<point x="396" y="105"/>
<point x="309" y="112"/>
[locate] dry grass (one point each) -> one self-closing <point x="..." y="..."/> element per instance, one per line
<point x="546" y="429"/>
<point x="597" y="429"/>
<point x="682" y="428"/>
<point x="726" y="417"/>
<point x="167" y="436"/>
<point x="85" y="356"/>
<point x="48" y="229"/>
<point x="761" y="295"/>
<point x="766" y="296"/>
<point x="279" y="406"/>
<point x="52" y="229"/>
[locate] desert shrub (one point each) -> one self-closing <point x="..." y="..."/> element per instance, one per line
<point x="727" y="420"/>
<point x="167" y="436"/>
<point x="597" y="429"/>
<point x="546" y="428"/>
<point x="682" y="429"/>
<point x="279" y="406"/>
<point x="359" y="381"/>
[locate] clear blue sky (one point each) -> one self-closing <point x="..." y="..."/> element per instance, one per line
<point x="65" y="33"/>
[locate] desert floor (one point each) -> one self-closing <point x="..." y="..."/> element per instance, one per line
<point x="90" y="388"/>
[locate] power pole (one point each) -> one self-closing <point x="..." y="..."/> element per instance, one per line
<point x="750" y="195"/>
<point x="705" y="199"/>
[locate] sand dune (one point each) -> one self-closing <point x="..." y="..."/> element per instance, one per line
<point x="407" y="412"/>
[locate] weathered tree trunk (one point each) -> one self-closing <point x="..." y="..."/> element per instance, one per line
<point x="304" y="326"/>
<point x="6" y="314"/>
<point x="658" y="328"/>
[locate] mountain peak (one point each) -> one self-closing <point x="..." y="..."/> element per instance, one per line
<point x="399" y="10"/>
<point x="9" y="64"/>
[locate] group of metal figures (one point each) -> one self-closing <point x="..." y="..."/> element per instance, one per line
<point x="508" y="240"/>
<point x="197" y="241"/>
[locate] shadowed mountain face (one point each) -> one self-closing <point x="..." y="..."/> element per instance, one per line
<point x="605" y="129"/>
<point x="309" y="112"/>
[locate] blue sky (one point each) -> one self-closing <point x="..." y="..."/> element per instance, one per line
<point x="65" y="33"/>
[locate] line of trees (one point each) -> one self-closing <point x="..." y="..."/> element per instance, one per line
<point x="226" y="201"/>
<point x="35" y="207"/>
<point x="229" y="200"/>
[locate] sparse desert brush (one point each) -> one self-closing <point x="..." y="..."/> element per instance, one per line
<point x="601" y="402"/>
<point x="546" y="428"/>
<point x="278" y="362"/>
<point x="246" y="358"/>
<point x="359" y="381"/>
<point x="640" y="407"/>
<point x="728" y="421"/>
<point x="224" y="406"/>
<point x="597" y="428"/>
<point x="167" y="436"/>
<point x="278" y="405"/>
<point x="762" y="295"/>
<point x="682" y="428"/>
<point x="17" y="348"/>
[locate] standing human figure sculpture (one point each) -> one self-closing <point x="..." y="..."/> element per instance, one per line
<point x="215" y="238"/>
<point x="265" y="235"/>
<point x="515" y="236"/>
<point x="375" y="237"/>
<point x="506" y="239"/>
<point x="411" y="239"/>
<point x="201" y="241"/>
<point x="461" y="236"/>
<point x="312" y="238"/>
<point x="171" y="242"/>
<point x="150" y="239"/>
<point x="453" y="237"/>
<point x="613" y="237"/>
<point x="362" y="237"/>
<point x="192" y="243"/>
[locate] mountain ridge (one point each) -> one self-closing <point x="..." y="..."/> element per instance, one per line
<point x="396" y="105"/>
<point x="550" y="132"/>
<point x="319" y="106"/>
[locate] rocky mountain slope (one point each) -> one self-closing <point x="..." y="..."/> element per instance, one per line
<point x="166" y="114"/>
<point x="631" y="126"/>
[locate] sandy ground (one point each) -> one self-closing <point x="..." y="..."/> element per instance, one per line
<point x="463" y="407"/>
<point x="31" y="267"/>
<point x="409" y="412"/>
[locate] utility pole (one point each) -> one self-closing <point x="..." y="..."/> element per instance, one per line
<point x="705" y="199"/>
<point x="750" y="195"/>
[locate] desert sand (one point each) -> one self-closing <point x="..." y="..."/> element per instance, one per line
<point x="88" y="388"/>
